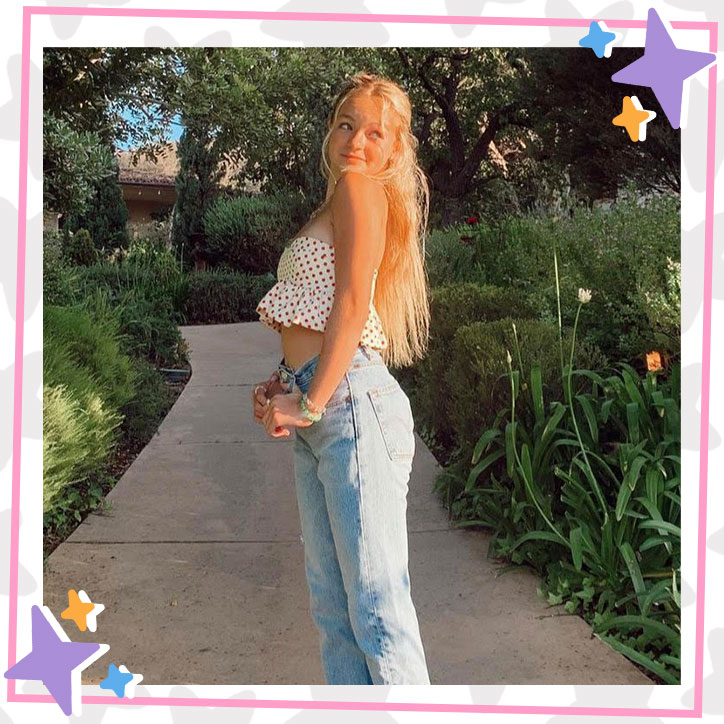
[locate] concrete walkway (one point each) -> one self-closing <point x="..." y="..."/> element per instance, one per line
<point x="200" y="564"/>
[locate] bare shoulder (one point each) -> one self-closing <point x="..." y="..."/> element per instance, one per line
<point x="357" y="192"/>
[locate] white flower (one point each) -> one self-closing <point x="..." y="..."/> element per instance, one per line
<point x="584" y="295"/>
<point x="510" y="359"/>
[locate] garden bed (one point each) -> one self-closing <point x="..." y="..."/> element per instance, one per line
<point x="89" y="496"/>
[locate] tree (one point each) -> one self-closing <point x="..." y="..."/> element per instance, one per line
<point x="107" y="215"/>
<point x="466" y="101"/>
<point x="268" y="107"/>
<point x="573" y="100"/>
<point x="99" y="88"/>
<point x="74" y="162"/>
<point x="196" y="183"/>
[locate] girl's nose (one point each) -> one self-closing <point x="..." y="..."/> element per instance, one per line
<point x="357" y="140"/>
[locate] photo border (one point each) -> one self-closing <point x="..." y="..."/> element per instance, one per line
<point x="710" y="26"/>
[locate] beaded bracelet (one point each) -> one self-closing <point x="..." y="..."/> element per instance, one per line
<point x="314" y="417"/>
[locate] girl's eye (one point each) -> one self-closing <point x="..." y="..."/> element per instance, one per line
<point x="379" y="135"/>
<point x="344" y="123"/>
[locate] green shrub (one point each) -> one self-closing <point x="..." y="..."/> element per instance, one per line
<point x="78" y="248"/>
<point x="450" y="258"/>
<point x="627" y="255"/>
<point x="428" y="382"/>
<point x="147" y="262"/>
<point x="57" y="274"/>
<point x="78" y="435"/>
<point x="79" y="344"/>
<point x="117" y="279"/>
<point x="249" y="232"/>
<point x="150" y="402"/>
<point x="150" y="329"/>
<point x="107" y="216"/>
<point x="456" y="304"/>
<point x="147" y="291"/>
<point x="151" y="253"/>
<point x="217" y="298"/>
<point x="477" y="368"/>
<point x="623" y="254"/>
<point x="86" y="380"/>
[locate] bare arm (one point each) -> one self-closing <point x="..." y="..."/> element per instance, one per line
<point x="359" y="217"/>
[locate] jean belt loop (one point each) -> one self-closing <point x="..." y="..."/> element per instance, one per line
<point x="287" y="375"/>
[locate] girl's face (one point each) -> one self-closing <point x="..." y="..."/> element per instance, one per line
<point x="361" y="139"/>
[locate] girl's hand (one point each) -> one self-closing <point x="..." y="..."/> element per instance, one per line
<point x="283" y="412"/>
<point x="262" y="391"/>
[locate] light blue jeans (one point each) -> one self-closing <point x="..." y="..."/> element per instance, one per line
<point x="351" y="471"/>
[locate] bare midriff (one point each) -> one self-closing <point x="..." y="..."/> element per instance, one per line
<point x="300" y="344"/>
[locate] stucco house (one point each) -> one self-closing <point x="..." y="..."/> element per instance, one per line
<point x="149" y="188"/>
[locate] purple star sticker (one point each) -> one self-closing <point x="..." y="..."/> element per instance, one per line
<point x="56" y="660"/>
<point x="663" y="68"/>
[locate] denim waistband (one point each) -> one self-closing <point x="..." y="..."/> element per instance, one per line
<point x="362" y="357"/>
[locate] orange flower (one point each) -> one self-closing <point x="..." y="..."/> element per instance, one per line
<point x="653" y="361"/>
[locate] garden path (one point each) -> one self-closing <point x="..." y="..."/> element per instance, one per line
<point x="200" y="564"/>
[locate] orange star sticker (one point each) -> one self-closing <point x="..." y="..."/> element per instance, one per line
<point x="80" y="608"/>
<point x="634" y="118"/>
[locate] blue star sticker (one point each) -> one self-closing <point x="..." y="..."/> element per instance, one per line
<point x="116" y="680"/>
<point x="598" y="38"/>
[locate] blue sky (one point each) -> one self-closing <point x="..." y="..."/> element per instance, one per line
<point x="174" y="131"/>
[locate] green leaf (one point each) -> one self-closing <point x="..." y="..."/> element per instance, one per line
<point x="536" y="389"/>
<point x="575" y="538"/>
<point x="606" y="410"/>
<point x="593" y="482"/>
<point x="654" y="594"/>
<point x="654" y="541"/>
<point x="480" y="467"/>
<point x="632" y="564"/>
<point x="624" y="493"/>
<point x="655" y="515"/>
<point x="644" y="622"/>
<point x="509" y="448"/>
<point x="676" y="595"/>
<point x="654" y="484"/>
<point x="632" y="475"/>
<point x="585" y="403"/>
<point x="630" y="377"/>
<point x="662" y="526"/>
<point x="632" y="418"/>
<point x="536" y="535"/>
<point x="485" y="439"/>
<point x="525" y="464"/>
<point x="639" y="658"/>
<point x="591" y="375"/>
<point x="552" y="423"/>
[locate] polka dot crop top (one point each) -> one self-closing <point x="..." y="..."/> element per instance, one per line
<point x="304" y="292"/>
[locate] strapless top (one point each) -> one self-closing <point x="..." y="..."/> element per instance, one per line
<point x="304" y="292"/>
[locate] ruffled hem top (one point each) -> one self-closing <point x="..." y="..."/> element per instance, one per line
<point x="304" y="292"/>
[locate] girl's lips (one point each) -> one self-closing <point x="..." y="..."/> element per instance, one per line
<point x="352" y="158"/>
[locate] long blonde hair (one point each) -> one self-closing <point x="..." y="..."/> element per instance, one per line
<point x="401" y="292"/>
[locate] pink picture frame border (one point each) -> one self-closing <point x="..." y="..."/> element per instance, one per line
<point x="708" y="26"/>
